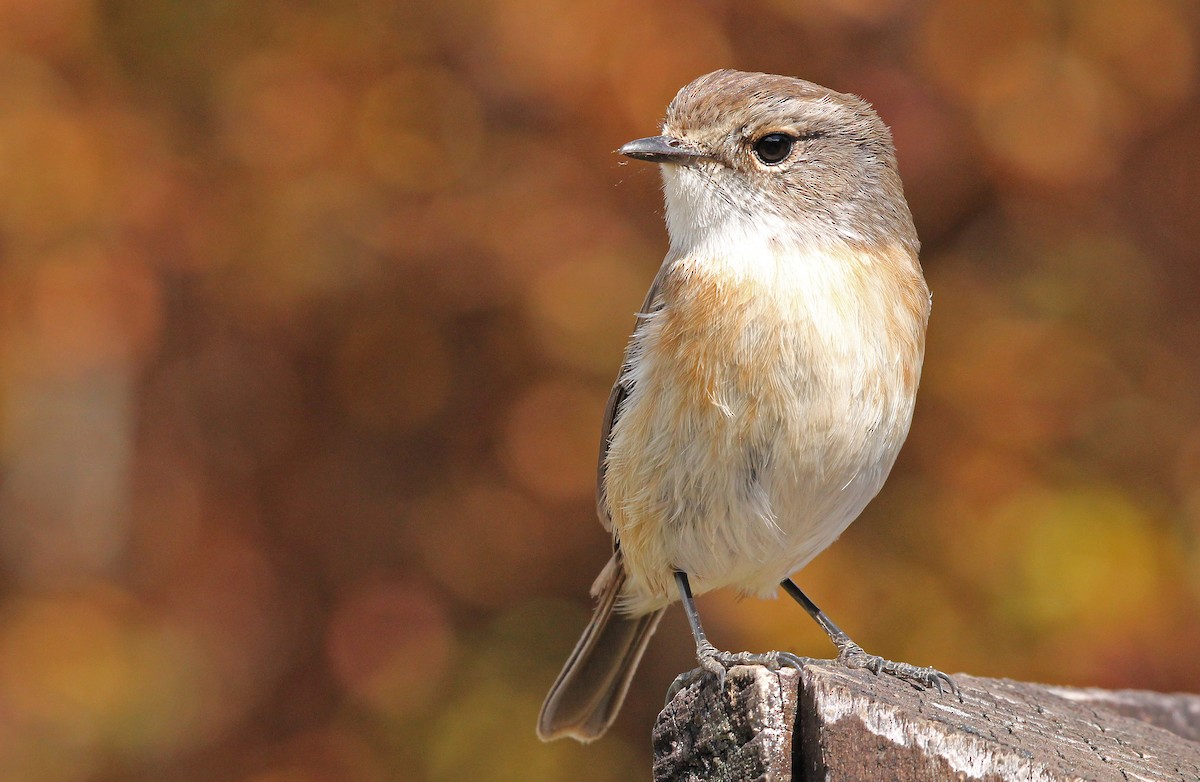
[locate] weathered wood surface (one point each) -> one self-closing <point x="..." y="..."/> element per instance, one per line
<point x="825" y="722"/>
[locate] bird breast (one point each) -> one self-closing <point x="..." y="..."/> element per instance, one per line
<point x="771" y="390"/>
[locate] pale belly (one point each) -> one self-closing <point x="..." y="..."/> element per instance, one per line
<point x="748" y="445"/>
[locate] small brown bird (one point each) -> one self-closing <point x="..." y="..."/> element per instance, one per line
<point x="770" y="380"/>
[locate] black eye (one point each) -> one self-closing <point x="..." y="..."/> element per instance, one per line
<point x="773" y="148"/>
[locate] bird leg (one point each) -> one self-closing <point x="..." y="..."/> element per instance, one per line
<point x="852" y="655"/>
<point x="716" y="661"/>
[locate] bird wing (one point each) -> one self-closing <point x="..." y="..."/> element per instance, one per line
<point x="620" y="390"/>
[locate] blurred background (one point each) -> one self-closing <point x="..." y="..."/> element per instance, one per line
<point x="308" y="313"/>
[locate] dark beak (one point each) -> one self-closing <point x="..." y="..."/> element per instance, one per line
<point x="661" y="149"/>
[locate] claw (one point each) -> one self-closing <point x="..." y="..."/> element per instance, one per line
<point x="682" y="681"/>
<point x="944" y="683"/>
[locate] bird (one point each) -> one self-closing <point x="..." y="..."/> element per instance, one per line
<point x="770" y="379"/>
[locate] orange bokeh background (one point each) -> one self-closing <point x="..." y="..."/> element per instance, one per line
<point x="308" y="312"/>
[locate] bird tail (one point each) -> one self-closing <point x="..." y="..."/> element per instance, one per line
<point x="587" y="695"/>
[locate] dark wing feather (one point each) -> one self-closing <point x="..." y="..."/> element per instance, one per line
<point x="621" y="389"/>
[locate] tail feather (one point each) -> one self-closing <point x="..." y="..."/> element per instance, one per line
<point x="587" y="695"/>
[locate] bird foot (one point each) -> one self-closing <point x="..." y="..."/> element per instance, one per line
<point x="716" y="662"/>
<point x="852" y="655"/>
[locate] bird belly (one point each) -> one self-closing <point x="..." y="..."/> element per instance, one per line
<point x="755" y="432"/>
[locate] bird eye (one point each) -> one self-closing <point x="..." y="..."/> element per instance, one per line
<point x="772" y="148"/>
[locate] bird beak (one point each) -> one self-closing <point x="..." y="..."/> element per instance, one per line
<point x="662" y="149"/>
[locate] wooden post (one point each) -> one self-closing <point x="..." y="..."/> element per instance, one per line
<point x="825" y="722"/>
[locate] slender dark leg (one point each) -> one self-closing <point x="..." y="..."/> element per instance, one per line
<point x="835" y="633"/>
<point x="712" y="659"/>
<point x="852" y="655"/>
<point x="689" y="608"/>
